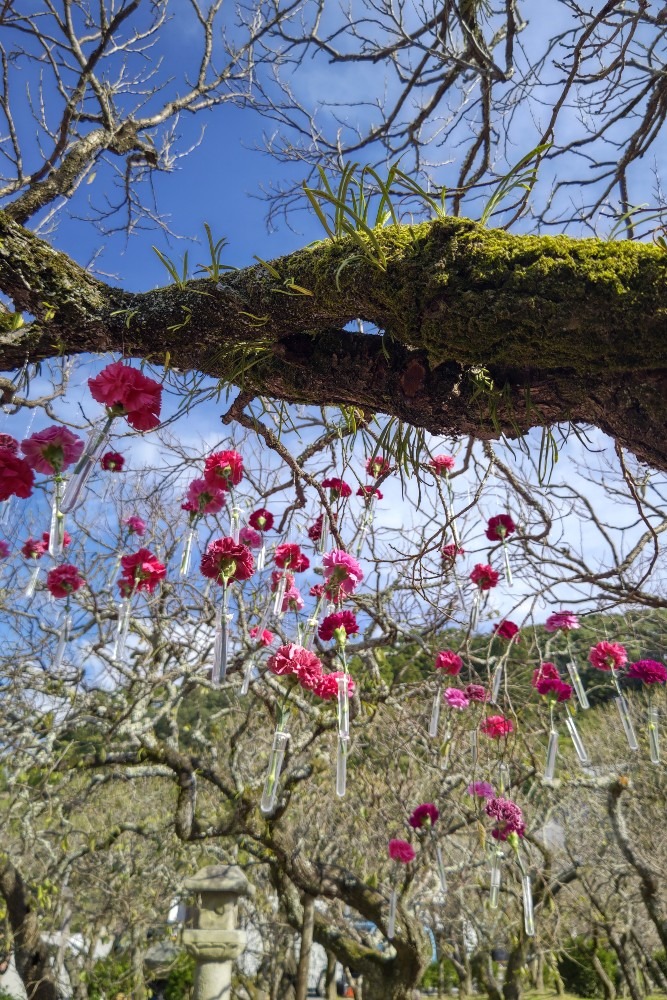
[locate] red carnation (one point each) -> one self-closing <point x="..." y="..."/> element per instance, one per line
<point x="500" y="527"/>
<point x="377" y="466"/>
<point x="475" y="692"/>
<point x="327" y="688"/>
<point x="400" y="850"/>
<point x="64" y="580"/>
<point x="226" y="560"/>
<point x="450" y="552"/>
<point x="289" y="556"/>
<point x="9" y="443"/>
<point x="34" y="549"/>
<point x="16" y="476"/>
<point x="264" y="638"/>
<point x="112" y="462"/>
<point x="484" y="576"/>
<point x="224" y="469"/>
<point x="496" y="726"/>
<point x="369" y="493"/>
<point x="141" y="571"/>
<point x="545" y="670"/>
<point x="338" y="488"/>
<point x="339" y="619"/>
<point x="449" y="662"/>
<point x="424" y="815"/>
<point x="261" y="520"/>
<point x="608" y="656"/>
<point x="127" y="392"/>
<point x="506" y="630"/>
<point x="648" y="671"/>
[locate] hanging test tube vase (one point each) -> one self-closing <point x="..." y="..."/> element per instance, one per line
<point x="221" y="641"/>
<point x="508" y="569"/>
<point x="391" y="923"/>
<point x="235" y="523"/>
<point x="31" y="586"/>
<point x="186" y="555"/>
<point x="57" y="527"/>
<point x="63" y="638"/>
<point x="122" y="628"/>
<point x="280" y="596"/>
<point x="473" y="739"/>
<point x="496" y="685"/>
<point x="528" y="915"/>
<point x="494" y="881"/>
<point x="552" y="755"/>
<point x="97" y="440"/>
<point x="474" y="610"/>
<point x="344" y="707"/>
<point x="261" y="557"/>
<point x="270" y="793"/>
<point x="624" y="713"/>
<point x="575" y="736"/>
<point x="435" y="713"/>
<point x="575" y="679"/>
<point x="342" y="750"/>
<point x="442" y="875"/>
<point x="654" y="734"/>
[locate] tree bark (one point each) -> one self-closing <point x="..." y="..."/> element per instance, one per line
<point x="305" y="949"/>
<point x="30" y="952"/>
<point x="485" y="332"/>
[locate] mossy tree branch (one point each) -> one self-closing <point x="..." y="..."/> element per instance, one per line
<point x="567" y="329"/>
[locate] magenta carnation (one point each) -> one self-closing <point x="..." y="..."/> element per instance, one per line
<point x="248" y="536"/>
<point x="545" y="670"/>
<point x="563" y="620"/>
<point x="4" y="549"/>
<point x="450" y="552"/>
<point x="506" y="630"/>
<point x="475" y="692"/>
<point x="135" y="525"/>
<point x="327" y="688"/>
<point x="224" y="469"/>
<point x="9" y="443"/>
<point x="449" y="662"/>
<point x="484" y="576"/>
<point x="261" y="520"/>
<point x="226" y="560"/>
<point x="441" y="464"/>
<point x="204" y="497"/>
<point x="265" y="638"/>
<point x="424" y="815"/>
<point x="608" y="656"/>
<point x="16" y="476"/>
<point x="64" y="580"/>
<point x="141" y="571"/>
<point x="369" y="493"/>
<point x="648" y="671"/>
<point x="292" y="600"/>
<point x="34" y="549"/>
<point x="342" y="574"/>
<point x="508" y="817"/>
<point x="289" y="556"/>
<point x="481" y="790"/>
<point x="339" y="619"/>
<point x="293" y="659"/>
<point x="129" y="393"/>
<point x="400" y="850"/>
<point x="553" y="689"/>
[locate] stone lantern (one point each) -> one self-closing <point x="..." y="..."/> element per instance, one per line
<point x="214" y="941"/>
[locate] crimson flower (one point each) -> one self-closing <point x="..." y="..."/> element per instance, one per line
<point x="16" y="476"/>
<point x="224" y="469"/>
<point x="250" y="537"/>
<point x="339" y="619"/>
<point x="441" y="464"/>
<point x="226" y="560"/>
<point x="450" y="552"/>
<point x="480" y="790"/>
<point x="484" y="576"/>
<point x="34" y="549"/>
<point x="400" y="850"/>
<point x="9" y="443"/>
<point x="506" y="630"/>
<point x="496" y="726"/>
<point x="64" y="580"/>
<point x="4" y="549"/>
<point x="292" y="600"/>
<point x="424" y="815"/>
<point x="648" y="671"/>
<point x="377" y="466"/>
<point x="142" y="571"/>
<point x="265" y="638"/>
<point x="67" y="539"/>
<point x="338" y="488"/>
<point x="553" y="689"/>
<point x="369" y="493"/>
<point x="289" y="556"/>
<point x="508" y="817"/>
<point x="563" y="620"/>
<point x="261" y="520"/>
<point x="129" y="393"/>
<point x="546" y="671"/>
<point x="315" y="530"/>
<point x="475" y="692"/>
<point x="608" y="656"/>
<point x="500" y="527"/>
<point x="52" y="450"/>
<point x="449" y="662"/>
<point x="112" y="462"/>
<point x="327" y="688"/>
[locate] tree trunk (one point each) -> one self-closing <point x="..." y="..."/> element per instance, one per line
<point x="30" y="952"/>
<point x="627" y="966"/>
<point x="486" y="331"/>
<point x="513" y="987"/>
<point x="305" y="949"/>
<point x="330" y="977"/>
<point x="607" y="986"/>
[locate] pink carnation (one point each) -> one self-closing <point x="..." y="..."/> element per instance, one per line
<point x="377" y="466"/>
<point x="276" y="577"/>
<point x="441" y="464"/>
<point x="264" y="639"/>
<point x="327" y="688"/>
<point x="293" y="659"/>
<point x="481" y="790"/>
<point x="289" y="556"/>
<point x="226" y="560"/>
<point x="292" y="601"/>
<point x="34" y="549"/>
<point x="424" y="815"/>
<point x="204" y="497"/>
<point x="224" y="469"/>
<point x="261" y="520"/>
<point x="135" y="525"/>
<point x="52" y="450"/>
<point x="400" y="850"/>
<point x="250" y="537"/>
<point x="506" y="630"/>
<point x="64" y="580"/>
<point x="16" y="476"/>
<point x="496" y="726"/>
<point x="608" y="655"/>
<point x="339" y="619"/>
<point x="508" y="817"/>
<point x="112" y="462"/>
<point x="338" y="488"/>
<point x="500" y="527"/>
<point x="456" y="698"/>
<point x="484" y="576"/>
<point x="563" y="620"/>
<point x="342" y="574"/>
<point x="449" y="662"/>
<point x="127" y="392"/>
<point x="648" y="671"/>
<point x="475" y="692"/>
<point x="141" y="571"/>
